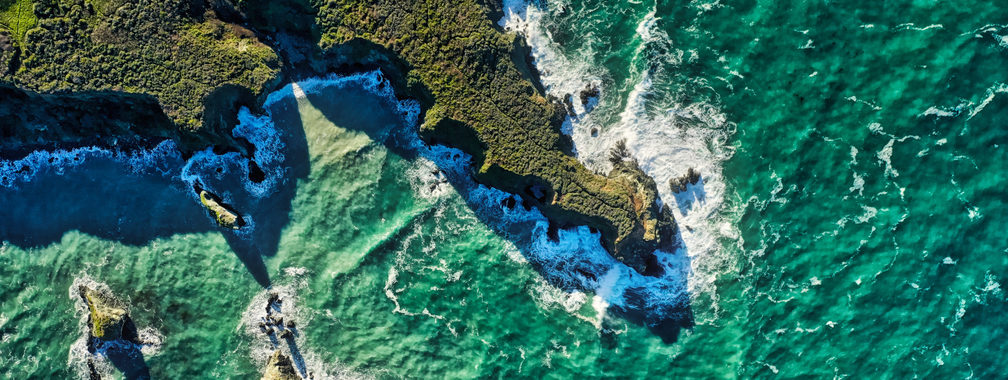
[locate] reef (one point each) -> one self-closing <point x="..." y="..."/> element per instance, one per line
<point x="277" y="325"/>
<point x="201" y="61"/>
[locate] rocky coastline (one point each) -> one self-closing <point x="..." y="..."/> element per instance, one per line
<point x="490" y="108"/>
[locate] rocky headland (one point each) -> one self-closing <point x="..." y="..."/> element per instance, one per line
<point x="126" y="73"/>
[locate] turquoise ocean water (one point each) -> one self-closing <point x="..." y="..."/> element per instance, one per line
<point x="850" y="222"/>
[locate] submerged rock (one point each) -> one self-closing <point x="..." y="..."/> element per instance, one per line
<point x="224" y="216"/>
<point x="678" y="184"/>
<point x="106" y="318"/>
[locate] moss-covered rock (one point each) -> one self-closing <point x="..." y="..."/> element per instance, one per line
<point x="106" y="316"/>
<point x="223" y="214"/>
<point x="280" y="367"/>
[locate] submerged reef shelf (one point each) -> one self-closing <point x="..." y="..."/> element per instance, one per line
<point x="184" y="68"/>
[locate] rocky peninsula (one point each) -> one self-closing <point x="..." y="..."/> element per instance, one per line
<point x="125" y="73"/>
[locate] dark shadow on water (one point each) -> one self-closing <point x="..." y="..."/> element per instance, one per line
<point x="98" y="200"/>
<point x="103" y="198"/>
<point x="125" y="354"/>
<point x="692" y="194"/>
<point x="129" y="361"/>
<point x="271" y="213"/>
<point x="296" y="356"/>
<point x="668" y="327"/>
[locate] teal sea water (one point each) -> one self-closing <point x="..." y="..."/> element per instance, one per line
<point x="849" y="224"/>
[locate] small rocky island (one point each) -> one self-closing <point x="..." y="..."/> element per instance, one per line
<point x="112" y="339"/>
<point x="106" y="317"/>
<point x="223" y="214"/>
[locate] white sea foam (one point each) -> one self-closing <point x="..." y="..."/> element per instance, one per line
<point x="858" y="185"/>
<point x="259" y="130"/>
<point x="865" y="102"/>
<point x="308" y="364"/>
<point x="559" y="74"/>
<point x="998" y="88"/>
<point x="159" y="159"/>
<point x="663" y="150"/>
<point x="885" y="157"/>
<point x="912" y="26"/>
<point x="575" y="260"/>
<point x="942" y="111"/>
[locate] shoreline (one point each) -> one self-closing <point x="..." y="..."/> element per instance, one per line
<point x="511" y="156"/>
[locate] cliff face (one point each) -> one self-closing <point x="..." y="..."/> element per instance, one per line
<point x="477" y="92"/>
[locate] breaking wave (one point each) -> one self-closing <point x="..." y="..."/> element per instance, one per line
<point x="666" y="136"/>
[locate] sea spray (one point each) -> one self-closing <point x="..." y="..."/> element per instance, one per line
<point x="162" y="159"/>
<point x="666" y="137"/>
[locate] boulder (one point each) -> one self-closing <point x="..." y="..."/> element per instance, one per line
<point x="568" y="104"/>
<point x="224" y="216"/>
<point x="280" y="367"/>
<point x="678" y="184"/>
<point x="106" y="318"/>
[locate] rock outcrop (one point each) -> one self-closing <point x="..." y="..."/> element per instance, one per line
<point x="277" y="325"/>
<point x="657" y="228"/>
<point x="678" y="184"/>
<point x="590" y="91"/>
<point x="112" y="341"/>
<point x="106" y="315"/>
<point x="280" y="367"/>
<point x="223" y="214"/>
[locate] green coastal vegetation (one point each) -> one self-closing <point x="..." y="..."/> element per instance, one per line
<point x="173" y="51"/>
<point x="201" y="62"/>
<point x="17" y="16"/>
